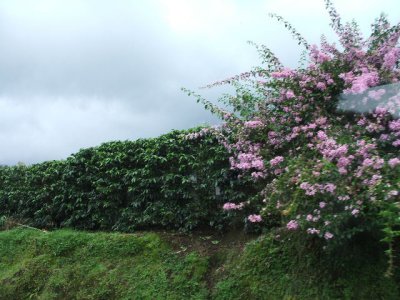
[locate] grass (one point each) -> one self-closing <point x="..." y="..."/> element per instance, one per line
<point x="67" y="264"/>
<point x="273" y="269"/>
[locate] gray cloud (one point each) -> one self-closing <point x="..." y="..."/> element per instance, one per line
<point x="80" y="72"/>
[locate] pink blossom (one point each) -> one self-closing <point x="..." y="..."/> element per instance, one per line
<point x="272" y="134"/>
<point x="328" y="235"/>
<point x="367" y="162"/>
<point x="312" y="231"/>
<point x="292" y="225"/>
<point x="305" y="185"/>
<point x="276" y="160"/>
<point x="232" y="206"/>
<point x="394" y="162"/>
<point x="330" y="187"/>
<point x="290" y="94"/>
<point x="396" y="143"/>
<point x="390" y="58"/>
<point x="254" y="218"/>
<point x="378" y="164"/>
<point x="317" y="56"/>
<point x="322" y="204"/>
<point x="344" y="198"/>
<point x="394" y="125"/>
<point x="362" y="82"/>
<point x="321" y="86"/>
<point x="320" y="121"/>
<point x="322" y="135"/>
<point x="253" y="124"/>
<point x="316" y="173"/>
<point x="285" y="73"/>
<point x="343" y="162"/>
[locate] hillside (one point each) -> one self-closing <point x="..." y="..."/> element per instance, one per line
<point x="68" y="264"/>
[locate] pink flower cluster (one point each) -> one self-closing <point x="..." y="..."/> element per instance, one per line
<point x="361" y="83"/>
<point x="232" y="206"/>
<point x="276" y="161"/>
<point x="253" y="124"/>
<point x="292" y="225"/>
<point x="390" y="59"/>
<point x="312" y="189"/>
<point x="299" y="117"/>
<point x="254" y="218"/>
<point x="284" y="73"/>
<point x="247" y="161"/>
<point x="318" y="56"/>
<point x="393" y="162"/>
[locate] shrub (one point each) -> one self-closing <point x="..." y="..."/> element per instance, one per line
<point x="173" y="181"/>
<point x="321" y="142"/>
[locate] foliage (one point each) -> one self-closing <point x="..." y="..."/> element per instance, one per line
<point x="171" y="181"/>
<point x="75" y="265"/>
<point x="272" y="268"/>
<point x="66" y="264"/>
<point x="321" y="142"/>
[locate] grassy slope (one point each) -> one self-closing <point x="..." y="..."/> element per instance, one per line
<point x="77" y="265"/>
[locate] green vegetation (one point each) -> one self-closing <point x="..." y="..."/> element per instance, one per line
<point x="75" y="265"/>
<point x="67" y="264"/>
<point x="321" y="185"/>
<point x="169" y="181"/>
<point x="271" y="268"/>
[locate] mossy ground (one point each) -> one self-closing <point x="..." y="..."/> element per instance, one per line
<point x="66" y="264"/>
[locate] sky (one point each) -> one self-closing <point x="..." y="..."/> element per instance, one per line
<point x="77" y="73"/>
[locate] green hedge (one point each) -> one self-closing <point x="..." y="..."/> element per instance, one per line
<point x="167" y="182"/>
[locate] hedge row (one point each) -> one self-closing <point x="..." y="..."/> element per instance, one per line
<point x="169" y="182"/>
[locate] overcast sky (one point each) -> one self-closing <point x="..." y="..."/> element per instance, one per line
<point x="76" y="73"/>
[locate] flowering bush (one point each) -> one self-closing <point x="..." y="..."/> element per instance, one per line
<point x="321" y="142"/>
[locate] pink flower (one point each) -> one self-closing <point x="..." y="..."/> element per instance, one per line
<point x="312" y="231"/>
<point x="322" y="204"/>
<point x="322" y="135"/>
<point x="292" y="225"/>
<point x="390" y="58"/>
<point x="396" y="143"/>
<point x="257" y="175"/>
<point x="330" y="187"/>
<point x="362" y="82"/>
<point x="394" y="162"/>
<point x="276" y="161"/>
<point x="378" y="163"/>
<point x="305" y="185"/>
<point x="321" y="121"/>
<point x="344" y="198"/>
<point x="254" y="218"/>
<point x="290" y="94"/>
<point x="343" y="162"/>
<point x="355" y="212"/>
<point x="253" y="124"/>
<point x="394" y="125"/>
<point x="367" y="162"/>
<point x="285" y="73"/>
<point x="321" y="86"/>
<point x="328" y="235"/>
<point x="232" y="206"/>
